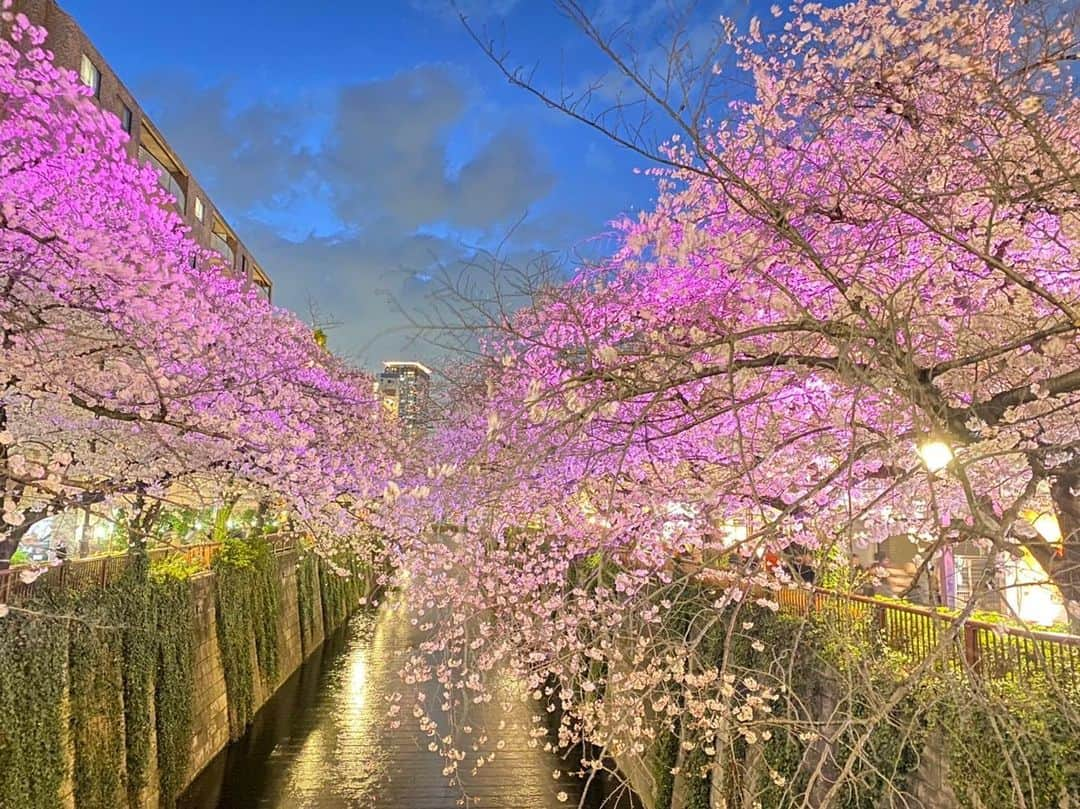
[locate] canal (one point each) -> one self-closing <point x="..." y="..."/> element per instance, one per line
<point x="326" y="740"/>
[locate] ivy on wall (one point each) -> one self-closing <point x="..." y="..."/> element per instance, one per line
<point x="665" y="758"/>
<point x="308" y="600"/>
<point x="33" y="687"/>
<point x="131" y="603"/>
<point x="1005" y="745"/>
<point x="827" y="676"/>
<point x="174" y="681"/>
<point x="342" y="585"/>
<point x="266" y="621"/>
<point x="110" y="674"/>
<point x="248" y="601"/>
<point x="132" y="643"/>
<point x="95" y="671"/>
<point x="1009" y="745"/>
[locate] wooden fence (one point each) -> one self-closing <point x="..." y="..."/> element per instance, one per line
<point x="18" y="584"/>
<point x="978" y="647"/>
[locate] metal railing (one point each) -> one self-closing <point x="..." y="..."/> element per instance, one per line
<point x="17" y="586"/>
<point x="979" y="647"/>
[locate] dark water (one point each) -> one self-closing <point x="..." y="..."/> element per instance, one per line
<point x="327" y="741"/>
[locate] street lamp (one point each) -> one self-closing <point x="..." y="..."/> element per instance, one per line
<point x="1045" y="524"/>
<point x="935" y="454"/>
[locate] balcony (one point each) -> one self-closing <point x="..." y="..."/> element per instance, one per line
<point x="222" y="248"/>
<point x="166" y="178"/>
<point x="262" y="283"/>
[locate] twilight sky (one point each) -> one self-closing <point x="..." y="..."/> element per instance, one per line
<point x="357" y="147"/>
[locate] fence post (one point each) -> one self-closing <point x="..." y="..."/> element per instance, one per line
<point x="972" y="655"/>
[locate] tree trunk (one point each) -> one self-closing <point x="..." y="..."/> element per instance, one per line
<point x="8" y="546"/>
<point x="83" y="534"/>
<point x="1065" y="567"/>
<point x="9" y="542"/>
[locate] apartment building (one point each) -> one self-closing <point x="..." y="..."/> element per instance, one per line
<point x="74" y="50"/>
<point x="403" y="388"/>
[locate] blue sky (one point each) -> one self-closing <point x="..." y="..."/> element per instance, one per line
<point x="359" y="147"/>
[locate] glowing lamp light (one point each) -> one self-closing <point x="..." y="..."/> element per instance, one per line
<point x="1031" y="594"/>
<point x="1048" y="527"/>
<point x="1038" y="607"/>
<point x="935" y="454"/>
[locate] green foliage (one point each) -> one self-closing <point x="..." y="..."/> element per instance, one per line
<point x="111" y="664"/>
<point x="709" y="637"/>
<point x="21" y="557"/>
<point x="665" y="758"/>
<point x="834" y="569"/>
<point x="698" y="786"/>
<point x="1006" y="745"/>
<point x="131" y="605"/>
<point x="308" y="600"/>
<point x="341" y="592"/>
<point x="33" y="653"/>
<point x="178" y="521"/>
<point x="174" y="567"/>
<point x="174" y="687"/>
<point x="112" y="651"/>
<point x="248" y="612"/>
<point x="119" y="639"/>
<point x="96" y="665"/>
<point x="1011" y="745"/>
<point x="266" y="620"/>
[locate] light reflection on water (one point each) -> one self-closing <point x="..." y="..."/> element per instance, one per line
<point x="325" y="741"/>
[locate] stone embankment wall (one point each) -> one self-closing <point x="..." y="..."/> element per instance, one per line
<point x="210" y="730"/>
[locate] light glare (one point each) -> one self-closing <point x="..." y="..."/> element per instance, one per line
<point x="936" y="454"/>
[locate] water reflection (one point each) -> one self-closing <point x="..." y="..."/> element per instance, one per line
<point x="325" y="741"/>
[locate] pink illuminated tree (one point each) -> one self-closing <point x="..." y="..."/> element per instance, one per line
<point x="130" y="359"/>
<point x="851" y="315"/>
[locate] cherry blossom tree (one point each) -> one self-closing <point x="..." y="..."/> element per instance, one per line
<point x="851" y="315"/>
<point x="876" y="252"/>
<point x="131" y="358"/>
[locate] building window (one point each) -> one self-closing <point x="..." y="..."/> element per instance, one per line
<point x="200" y="212"/>
<point x="223" y="243"/>
<point x="126" y="117"/>
<point x="243" y="265"/>
<point x="170" y="175"/>
<point x="262" y="283"/>
<point x="90" y="76"/>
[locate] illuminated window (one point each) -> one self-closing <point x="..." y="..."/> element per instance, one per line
<point x="90" y="75"/>
<point x="200" y="212"/>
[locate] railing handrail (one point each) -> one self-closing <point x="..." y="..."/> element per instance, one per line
<point x="982" y="648"/>
<point x="917" y="609"/>
<point x="11" y="584"/>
